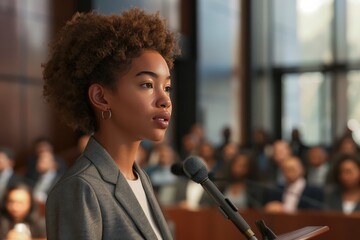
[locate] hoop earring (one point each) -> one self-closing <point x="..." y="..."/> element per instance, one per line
<point x="107" y="115"/>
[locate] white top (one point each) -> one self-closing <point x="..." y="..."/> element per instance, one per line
<point x="139" y="192"/>
<point x="292" y="195"/>
<point x="348" y="206"/>
<point x="194" y="192"/>
<point x="43" y="185"/>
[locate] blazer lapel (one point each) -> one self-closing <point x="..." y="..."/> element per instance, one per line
<point x="123" y="193"/>
<point x="156" y="210"/>
<point x="127" y="199"/>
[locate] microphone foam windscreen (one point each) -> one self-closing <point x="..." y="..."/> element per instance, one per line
<point x="194" y="168"/>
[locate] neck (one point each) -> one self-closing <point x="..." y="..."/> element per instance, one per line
<point x="122" y="151"/>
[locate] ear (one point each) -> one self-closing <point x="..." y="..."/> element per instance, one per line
<point x="97" y="97"/>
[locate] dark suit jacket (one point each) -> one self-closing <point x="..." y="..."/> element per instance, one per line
<point x="94" y="201"/>
<point x="311" y="197"/>
<point x="333" y="201"/>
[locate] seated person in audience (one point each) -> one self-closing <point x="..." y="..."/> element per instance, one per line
<point x="46" y="166"/>
<point x="281" y="152"/>
<point x="317" y="166"/>
<point x="7" y="175"/>
<point x="191" y="195"/>
<point x="42" y="144"/>
<point x="207" y="153"/>
<point x="160" y="174"/>
<point x="346" y="145"/>
<point x="19" y="208"/>
<point x="228" y="153"/>
<point x="345" y="196"/>
<point x="240" y="188"/>
<point x="298" y="148"/>
<point x="262" y="149"/>
<point x="296" y="194"/>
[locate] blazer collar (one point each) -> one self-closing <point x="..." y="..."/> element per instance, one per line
<point x="102" y="161"/>
<point x="123" y="193"/>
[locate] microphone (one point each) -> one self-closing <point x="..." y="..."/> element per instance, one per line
<point x="195" y="169"/>
<point x="177" y="169"/>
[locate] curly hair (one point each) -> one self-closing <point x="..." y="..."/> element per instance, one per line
<point x="92" y="48"/>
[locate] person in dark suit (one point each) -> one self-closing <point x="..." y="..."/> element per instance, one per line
<point x="8" y="177"/>
<point x="296" y="194"/>
<point x="47" y="168"/>
<point x="344" y="196"/>
<point x="110" y="76"/>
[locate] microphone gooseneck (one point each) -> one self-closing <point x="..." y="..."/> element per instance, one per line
<point x="195" y="169"/>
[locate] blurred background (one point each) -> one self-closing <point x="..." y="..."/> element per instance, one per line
<point x="275" y="65"/>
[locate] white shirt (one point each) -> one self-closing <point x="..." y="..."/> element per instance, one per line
<point x="348" y="206"/>
<point x="194" y="192"/>
<point x="139" y="192"/>
<point x="43" y="185"/>
<point x="292" y="195"/>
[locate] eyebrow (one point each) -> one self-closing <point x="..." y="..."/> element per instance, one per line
<point x="152" y="74"/>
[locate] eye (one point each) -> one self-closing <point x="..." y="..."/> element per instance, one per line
<point x="168" y="89"/>
<point x="146" y="85"/>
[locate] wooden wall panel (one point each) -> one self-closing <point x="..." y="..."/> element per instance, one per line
<point x="9" y="42"/>
<point x="26" y="29"/>
<point x="11" y="112"/>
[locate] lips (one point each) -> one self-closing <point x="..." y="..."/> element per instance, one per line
<point x="162" y="120"/>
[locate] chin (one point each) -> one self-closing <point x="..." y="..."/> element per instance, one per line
<point x="156" y="137"/>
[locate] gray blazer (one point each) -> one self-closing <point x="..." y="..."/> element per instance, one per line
<point x="94" y="201"/>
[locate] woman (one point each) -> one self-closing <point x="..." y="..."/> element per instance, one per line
<point x="109" y="75"/>
<point x="240" y="189"/>
<point x="19" y="209"/>
<point x="345" y="196"/>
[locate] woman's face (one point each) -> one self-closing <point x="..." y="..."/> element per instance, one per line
<point x="349" y="174"/>
<point x="141" y="105"/>
<point x="18" y="204"/>
<point x="240" y="167"/>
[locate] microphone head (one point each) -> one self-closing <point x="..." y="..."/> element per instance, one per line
<point x="195" y="169"/>
<point x="177" y="169"/>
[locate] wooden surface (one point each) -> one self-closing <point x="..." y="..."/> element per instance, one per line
<point x="304" y="233"/>
<point x="210" y="224"/>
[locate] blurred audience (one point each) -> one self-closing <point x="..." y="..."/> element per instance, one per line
<point x="207" y="153"/>
<point x="20" y="219"/>
<point x="298" y="148"/>
<point x="240" y="187"/>
<point x="225" y="139"/>
<point x="317" y="166"/>
<point x="47" y="167"/>
<point x="275" y="176"/>
<point x="188" y="147"/>
<point x="345" y="194"/>
<point x="191" y="195"/>
<point x="281" y="152"/>
<point x="41" y="145"/>
<point x="161" y="176"/>
<point x="7" y="174"/>
<point x="262" y="151"/>
<point x="296" y="193"/>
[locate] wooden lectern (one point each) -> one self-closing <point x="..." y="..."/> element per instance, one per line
<point x="300" y="234"/>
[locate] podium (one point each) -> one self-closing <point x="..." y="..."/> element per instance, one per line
<point x="208" y="224"/>
<point x="300" y="234"/>
<point x="304" y="233"/>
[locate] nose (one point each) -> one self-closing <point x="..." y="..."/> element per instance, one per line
<point x="164" y="101"/>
